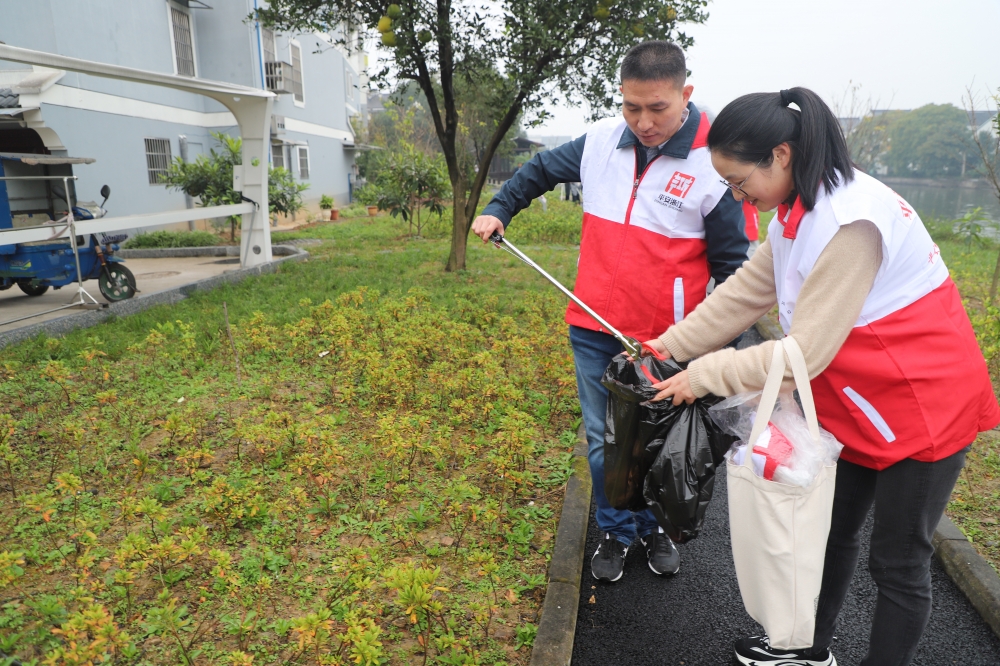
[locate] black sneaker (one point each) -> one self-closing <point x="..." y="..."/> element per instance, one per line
<point x="757" y="651"/>
<point x="608" y="562"/>
<point x="661" y="553"/>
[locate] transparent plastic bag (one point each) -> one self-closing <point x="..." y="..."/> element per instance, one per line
<point x="784" y="452"/>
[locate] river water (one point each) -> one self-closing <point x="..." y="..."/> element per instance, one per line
<point x="945" y="199"/>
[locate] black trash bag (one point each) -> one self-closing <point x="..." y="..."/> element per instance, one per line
<point x="657" y="455"/>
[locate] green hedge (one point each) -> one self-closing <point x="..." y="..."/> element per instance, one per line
<point x="154" y="239"/>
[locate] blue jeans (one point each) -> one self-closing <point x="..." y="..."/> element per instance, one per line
<point x="592" y="352"/>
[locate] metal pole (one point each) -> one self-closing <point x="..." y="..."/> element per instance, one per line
<point x="76" y="250"/>
<point x="631" y="345"/>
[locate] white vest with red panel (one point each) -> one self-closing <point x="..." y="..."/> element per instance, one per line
<point x="910" y="380"/>
<point x="643" y="264"/>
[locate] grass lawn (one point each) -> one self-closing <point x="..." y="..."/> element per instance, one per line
<point x="378" y="481"/>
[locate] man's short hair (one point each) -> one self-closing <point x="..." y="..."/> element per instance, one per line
<point x="655" y="61"/>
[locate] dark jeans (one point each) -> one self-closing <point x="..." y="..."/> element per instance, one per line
<point x="592" y="353"/>
<point x="909" y="498"/>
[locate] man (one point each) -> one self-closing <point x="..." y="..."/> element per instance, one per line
<point x="658" y="222"/>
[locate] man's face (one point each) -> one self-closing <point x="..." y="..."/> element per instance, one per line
<point x="653" y="109"/>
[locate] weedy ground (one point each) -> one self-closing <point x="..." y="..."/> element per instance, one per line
<point x="378" y="480"/>
<point x="365" y="467"/>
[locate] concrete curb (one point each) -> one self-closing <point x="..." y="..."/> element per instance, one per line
<point x="970" y="571"/>
<point x="208" y="251"/>
<point x="86" y="319"/>
<point x="967" y="568"/>
<point x="557" y="628"/>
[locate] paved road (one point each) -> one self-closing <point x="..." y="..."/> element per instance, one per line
<point x="151" y="276"/>
<point x="693" y="618"/>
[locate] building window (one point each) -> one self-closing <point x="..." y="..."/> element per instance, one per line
<point x="297" y="72"/>
<point x="157" y="159"/>
<point x="303" y="162"/>
<point x="270" y="50"/>
<point x="180" y="21"/>
<point x="350" y="86"/>
<point x="278" y="156"/>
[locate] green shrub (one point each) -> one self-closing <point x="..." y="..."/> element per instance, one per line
<point x="156" y="239"/>
<point x="354" y="210"/>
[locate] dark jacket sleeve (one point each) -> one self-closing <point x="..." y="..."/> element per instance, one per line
<point x="726" y="237"/>
<point x="538" y="175"/>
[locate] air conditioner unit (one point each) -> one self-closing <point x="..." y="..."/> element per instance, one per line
<point x="279" y="77"/>
<point x="277" y="125"/>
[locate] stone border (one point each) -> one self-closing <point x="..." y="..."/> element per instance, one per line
<point x="557" y="628"/>
<point x="970" y="571"/>
<point x="286" y="250"/>
<point x="85" y="319"/>
<point x="967" y="568"/>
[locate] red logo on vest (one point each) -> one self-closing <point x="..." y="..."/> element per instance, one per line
<point x="679" y="184"/>
<point x="907" y="211"/>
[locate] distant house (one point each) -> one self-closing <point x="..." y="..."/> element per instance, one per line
<point x="502" y="168"/>
<point x="551" y="142"/>
<point x="134" y="131"/>
<point x="989" y="125"/>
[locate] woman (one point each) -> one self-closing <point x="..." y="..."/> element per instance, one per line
<point x="896" y="372"/>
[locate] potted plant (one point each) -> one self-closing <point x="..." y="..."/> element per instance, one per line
<point x="326" y="202"/>
<point x="368" y="196"/>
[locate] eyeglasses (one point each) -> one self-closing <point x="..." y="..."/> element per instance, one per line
<point x="739" y="188"/>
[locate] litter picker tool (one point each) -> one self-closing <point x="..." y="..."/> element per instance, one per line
<point x="632" y="346"/>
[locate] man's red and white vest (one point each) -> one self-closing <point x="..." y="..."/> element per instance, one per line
<point x="643" y="263"/>
<point x="910" y="380"/>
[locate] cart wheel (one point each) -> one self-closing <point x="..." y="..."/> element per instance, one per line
<point x="116" y="282"/>
<point x="32" y="289"/>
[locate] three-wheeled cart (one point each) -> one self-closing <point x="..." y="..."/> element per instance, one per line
<point x="38" y="191"/>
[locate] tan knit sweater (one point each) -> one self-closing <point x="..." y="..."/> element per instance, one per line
<point x="828" y="306"/>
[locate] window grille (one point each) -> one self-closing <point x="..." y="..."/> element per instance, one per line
<point x="303" y="162"/>
<point x="183" y="43"/>
<point x="270" y="51"/>
<point x="297" y="73"/>
<point x="278" y="156"/>
<point x="157" y="159"/>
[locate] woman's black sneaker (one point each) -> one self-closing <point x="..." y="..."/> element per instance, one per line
<point x="757" y="651"/>
<point x="608" y="562"/>
<point x="661" y="553"/>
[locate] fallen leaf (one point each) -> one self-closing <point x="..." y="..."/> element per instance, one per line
<point x="511" y="596"/>
<point x="180" y="400"/>
<point x="323" y="353"/>
<point x="592" y="600"/>
<point x="989" y="521"/>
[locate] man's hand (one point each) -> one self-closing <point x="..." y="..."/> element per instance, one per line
<point x="678" y="386"/>
<point x="485" y="225"/>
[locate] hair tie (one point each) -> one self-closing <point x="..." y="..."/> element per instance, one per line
<point x="784" y="98"/>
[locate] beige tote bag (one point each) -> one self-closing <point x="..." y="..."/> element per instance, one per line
<point x="779" y="531"/>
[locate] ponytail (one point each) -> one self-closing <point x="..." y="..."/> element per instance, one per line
<point x="749" y="127"/>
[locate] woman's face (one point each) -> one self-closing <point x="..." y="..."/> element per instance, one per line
<point x="765" y="186"/>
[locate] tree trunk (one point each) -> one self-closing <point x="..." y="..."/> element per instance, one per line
<point x="459" y="228"/>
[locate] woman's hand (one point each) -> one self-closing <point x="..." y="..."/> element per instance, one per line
<point x="656" y="344"/>
<point x="678" y="386"/>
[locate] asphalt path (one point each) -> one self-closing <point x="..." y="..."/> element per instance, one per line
<point x="693" y="618"/>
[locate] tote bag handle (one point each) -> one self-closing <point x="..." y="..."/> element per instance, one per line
<point x="786" y="346"/>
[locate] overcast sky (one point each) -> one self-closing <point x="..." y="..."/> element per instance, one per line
<point x="903" y="53"/>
